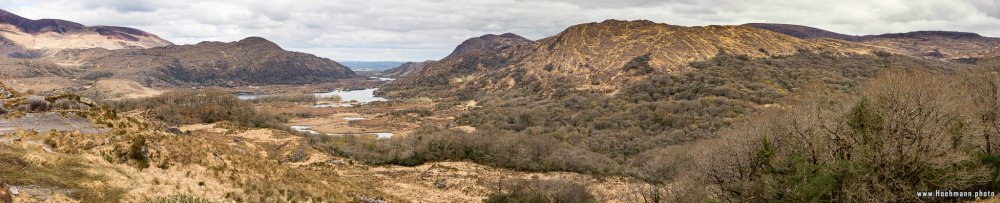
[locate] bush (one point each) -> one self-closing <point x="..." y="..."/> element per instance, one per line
<point x="541" y="191"/>
<point x="904" y="133"/>
<point x="201" y="106"/>
<point x="94" y="75"/>
<point x="179" y="198"/>
<point x="289" y="97"/>
<point x="329" y="98"/>
<point x="639" y="65"/>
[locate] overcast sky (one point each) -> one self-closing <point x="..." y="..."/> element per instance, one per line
<point x="416" y="30"/>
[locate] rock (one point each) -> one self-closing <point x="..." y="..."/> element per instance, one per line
<point x="14" y="191"/>
<point x="238" y="139"/>
<point x="175" y="130"/>
<point x="362" y="198"/>
<point x="440" y="184"/>
<point x="338" y="161"/>
<point x="6" y="195"/>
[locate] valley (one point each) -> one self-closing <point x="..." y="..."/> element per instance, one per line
<point x="609" y="111"/>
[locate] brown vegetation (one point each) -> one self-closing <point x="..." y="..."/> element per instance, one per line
<point x="200" y="106"/>
<point x="251" y="61"/>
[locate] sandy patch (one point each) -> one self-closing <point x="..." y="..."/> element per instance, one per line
<point x="202" y="127"/>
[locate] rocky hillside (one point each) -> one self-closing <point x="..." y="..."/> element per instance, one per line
<point x="488" y="43"/>
<point x="597" y="55"/>
<point x="251" y="61"/>
<point x="925" y="44"/>
<point x="19" y="36"/>
<point x="474" y="55"/>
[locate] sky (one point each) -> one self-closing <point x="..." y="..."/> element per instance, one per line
<point x="417" y="30"/>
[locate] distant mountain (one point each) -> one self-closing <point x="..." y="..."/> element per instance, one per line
<point x="371" y="65"/>
<point x="925" y="44"/>
<point x="19" y="36"/>
<point x="471" y="56"/>
<point x="803" y="32"/>
<point x="251" y="61"/>
<point x="405" y="69"/>
<point x="488" y="43"/>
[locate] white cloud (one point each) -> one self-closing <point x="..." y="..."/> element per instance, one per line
<point x="417" y="30"/>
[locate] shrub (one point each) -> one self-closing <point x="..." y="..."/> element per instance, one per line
<point x="289" y="97"/>
<point x="639" y="64"/>
<point x="904" y="133"/>
<point x="178" y="198"/>
<point x="201" y="106"/>
<point x="94" y="75"/>
<point x="541" y="191"/>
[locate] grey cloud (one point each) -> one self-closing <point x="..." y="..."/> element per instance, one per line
<point x="429" y="29"/>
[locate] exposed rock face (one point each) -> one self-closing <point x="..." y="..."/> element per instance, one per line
<point x="924" y="44"/>
<point x="251" y="61"/>
<point x="21" y="34"/>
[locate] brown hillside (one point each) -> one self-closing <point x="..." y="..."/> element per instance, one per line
<point x="924" y="44"/>
<point x="251" y="61"/>
<point x="594" y="55"/>
<point x="19" y="34"/>
<point x="406" y="69"/>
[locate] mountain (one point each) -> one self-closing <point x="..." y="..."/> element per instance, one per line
<point x="488" y="43"/>
<point x="405" y="69"/>
<point x="471" y="56"/>
<point x="596" y="55"/>
<point x="19" y="34"/>
<point x="925" y="44"/>
<point x="937" y="44"/>
<point x="371" y="65"/>
<point x="251" y="61"/>
<point x="803" y="32"/>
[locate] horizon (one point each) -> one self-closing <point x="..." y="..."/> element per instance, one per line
<point x="430" y="30"/>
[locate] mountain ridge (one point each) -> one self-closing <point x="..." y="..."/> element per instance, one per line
<point x="947" y="45"/>
<point x="594" y="55"/>
<point x="23" y="34"/>
<point x="249" y="61"/>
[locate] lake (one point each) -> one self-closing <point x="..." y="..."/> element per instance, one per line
<point x="361" y="96"/>
<point x="308" y="129"/>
